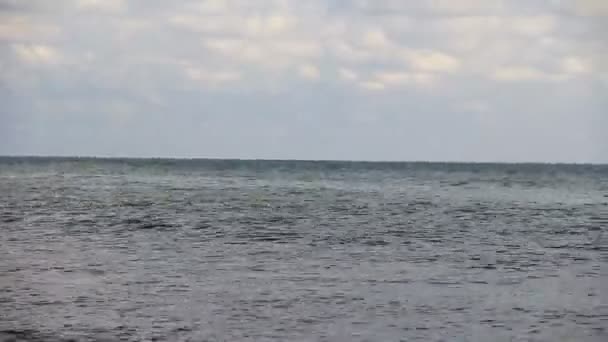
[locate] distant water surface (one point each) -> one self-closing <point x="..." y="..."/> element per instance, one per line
<point x="228" y="250"/>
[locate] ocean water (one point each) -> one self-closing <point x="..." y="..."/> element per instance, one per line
<point x="227" y="250"/>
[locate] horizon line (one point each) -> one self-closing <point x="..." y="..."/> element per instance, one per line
<point x="302" y="160"/>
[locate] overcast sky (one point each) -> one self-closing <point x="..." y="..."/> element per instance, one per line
<point x="451" y="80"/>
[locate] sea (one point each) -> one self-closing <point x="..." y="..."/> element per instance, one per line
<point x="95" y="249"/>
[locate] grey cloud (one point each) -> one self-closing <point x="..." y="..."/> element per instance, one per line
<point x="17" y="5"/>
<point x="132" y="82"/>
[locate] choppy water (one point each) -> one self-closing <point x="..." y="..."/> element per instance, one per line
<point x="143" y="250"/>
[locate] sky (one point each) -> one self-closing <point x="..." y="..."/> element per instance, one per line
<point x="432" y="80"/>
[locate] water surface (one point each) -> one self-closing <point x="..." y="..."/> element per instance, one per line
<point x="208" y="250"/>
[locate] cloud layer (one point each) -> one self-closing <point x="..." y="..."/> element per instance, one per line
<point x="342" y="79"/>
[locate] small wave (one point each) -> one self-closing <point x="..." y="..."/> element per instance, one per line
<point x="155" y="225"/>
<point x="10" y="219"/>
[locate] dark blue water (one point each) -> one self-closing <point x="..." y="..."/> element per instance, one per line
<point x="223" y="250"/>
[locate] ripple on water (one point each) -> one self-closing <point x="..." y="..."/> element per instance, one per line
<point x="234" y="251"/>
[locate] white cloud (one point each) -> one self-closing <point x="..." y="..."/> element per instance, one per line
<point x="346" y="52"/>
<point x="212" y="77"/>
<point x="102" y="5"/>
<point x="592" y="7"/>
<point x="21" y="28"/>
<point x="388" y="77"/>
<point x="531" y="25"/>
<point x="235" y="24"/>
<point x="268" y="25"/>
<point x="297" y="48"/>
<point x="372" y="85"/>
<point x="456" y="48"/>
<point x="347" y="74"/>
<point x="575" y="65"/>
<point x="466" y="6"/>
<point x="424" y="78"/>
<point x="36" y="54"/>
<point x="522" y="73"/>
<point x="432" y="61"/>
<point x="309" y="72"/>
<point x="375" y="38"/>
<point x="399" y="78"/>
<point x="393" y="78"/>
<point x="471" y="37"/>
<point x="212" y="6"/>
<point x="504" y="25"/>
<point x="268" y="54"/>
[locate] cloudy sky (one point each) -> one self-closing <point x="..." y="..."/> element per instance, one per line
<point x="452" y="80"/>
